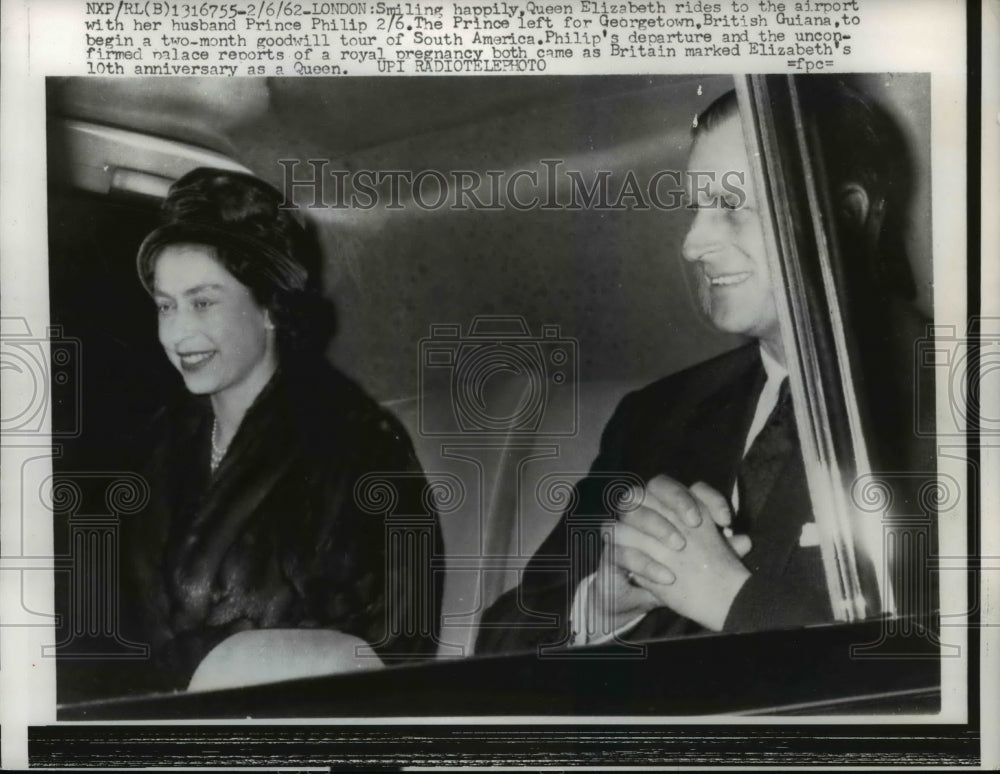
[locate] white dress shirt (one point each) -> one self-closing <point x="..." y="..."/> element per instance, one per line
<point x="578" y="620"/>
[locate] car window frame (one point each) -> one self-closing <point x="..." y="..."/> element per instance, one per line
<point x="797" y="225"/>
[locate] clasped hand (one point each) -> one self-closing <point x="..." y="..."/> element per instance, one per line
<point x="669" y="551"/>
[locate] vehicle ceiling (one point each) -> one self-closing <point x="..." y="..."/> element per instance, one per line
<point x="255" y="119"/>
<point x="614" y="280"/>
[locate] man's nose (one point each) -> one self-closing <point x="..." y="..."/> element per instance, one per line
<point x="703" y="235"/>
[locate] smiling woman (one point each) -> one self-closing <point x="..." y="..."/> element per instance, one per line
<point x="214" y="333"/>
<point x="254" y="521"/>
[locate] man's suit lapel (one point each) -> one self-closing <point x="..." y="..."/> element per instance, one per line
<point x="698" y="434"/>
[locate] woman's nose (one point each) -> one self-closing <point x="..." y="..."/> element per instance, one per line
<point x="176" y="326"/>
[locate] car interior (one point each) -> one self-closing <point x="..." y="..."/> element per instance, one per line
<point x="502" y="338"/>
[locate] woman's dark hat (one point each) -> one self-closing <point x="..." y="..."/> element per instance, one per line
<point x="232" y="211"/>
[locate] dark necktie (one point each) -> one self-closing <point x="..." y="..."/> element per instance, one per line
<point x="764" y="460"/>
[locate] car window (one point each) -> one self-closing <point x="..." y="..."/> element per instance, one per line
<point x="854" y="265"/>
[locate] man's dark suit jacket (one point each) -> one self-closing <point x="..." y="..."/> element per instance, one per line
<point x="693" y="427"/>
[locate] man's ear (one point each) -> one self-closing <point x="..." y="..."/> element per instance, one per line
<point x="853" y="205"/>
<point x="860" y="214"/>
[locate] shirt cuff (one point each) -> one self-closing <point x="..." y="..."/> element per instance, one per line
<point x="583" y="626"/>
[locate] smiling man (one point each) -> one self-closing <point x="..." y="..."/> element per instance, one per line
<point x="719" y="535"/>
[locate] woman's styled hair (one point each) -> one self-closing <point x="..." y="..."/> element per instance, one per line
<point x="266" y="247"/>
<point x="861" y="144"/>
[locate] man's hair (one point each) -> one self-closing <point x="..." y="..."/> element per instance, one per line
<point x="718" y="112"/>
<point x="859" y="144"/>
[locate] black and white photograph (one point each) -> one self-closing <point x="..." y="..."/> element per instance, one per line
<point x="467" y="419"/>
<point x="486" y="380"/>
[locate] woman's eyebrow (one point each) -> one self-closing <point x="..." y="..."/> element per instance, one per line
<point x="199" y="288"/>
